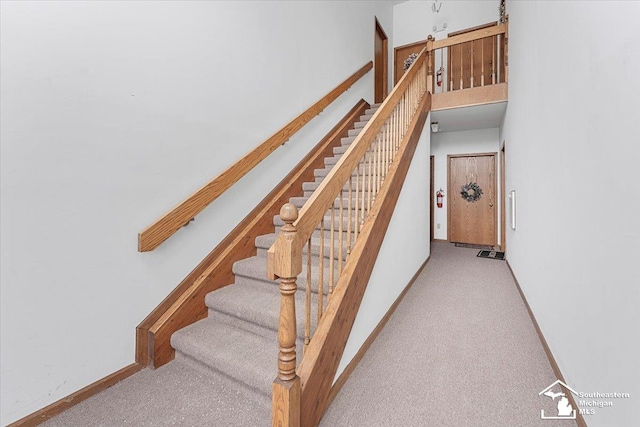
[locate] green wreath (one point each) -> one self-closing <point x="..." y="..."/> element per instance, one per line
<point x="471" y="192"/>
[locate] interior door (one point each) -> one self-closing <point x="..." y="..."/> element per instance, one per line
<point x="400" y="54"/>
<point x="472" y="221"/>
<point x="380" y="64"/>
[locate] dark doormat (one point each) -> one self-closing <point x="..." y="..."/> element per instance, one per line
<point x="469" y="245"/>
<point x="491" y="254"/>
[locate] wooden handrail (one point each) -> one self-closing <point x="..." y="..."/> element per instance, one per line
<point x="377" y="161"/>
<point x="185" y="304"/>
<point x="473" y="35"/>
<point x="313" y="210"/>
<point x="152" y="236"/>
<point x="320" y="363"/>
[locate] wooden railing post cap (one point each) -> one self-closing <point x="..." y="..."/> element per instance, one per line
<point x="288" y="213"/>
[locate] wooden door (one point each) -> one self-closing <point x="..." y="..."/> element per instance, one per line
<point x="472" y="221"/>
<point x="380" y="64"/>
<point x="400" y="54"/>
<point x="471" y="64"/>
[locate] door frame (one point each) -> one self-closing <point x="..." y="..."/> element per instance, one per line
<point x="495" y="186"/>
<point x="379" y="31"/>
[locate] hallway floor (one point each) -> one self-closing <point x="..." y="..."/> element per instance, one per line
<point x="460" y="350"/>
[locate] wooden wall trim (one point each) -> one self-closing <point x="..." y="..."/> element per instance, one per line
<point x="163" y="228"/>
<point x="320" y="363"/>
<point x="552" y="361"/>
<point x="185" y="304"/>
<point x="73" y="399"/>
<point x="480" y="95"/>
<point x="337" y="386"/>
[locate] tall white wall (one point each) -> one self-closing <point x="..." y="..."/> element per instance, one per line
<point x="573" y="148"/>
<point x="112" y="113"/>
<point x="405" y="248"/>
<point x="465" y="142"/>
<point x="414" y="20"/>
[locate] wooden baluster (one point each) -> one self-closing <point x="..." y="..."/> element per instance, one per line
<point x="493" y="62"/>
<point x="482" y="65"/>
<point x="471" y="58"/>
<point x="321" y="271"/>
<point x="331" y="251"/>
<point x="364" y="189"/>
<point x="370" y="176"/>
<point x="287" y="266"/>
<point x="356" y="222"/>
<point x="506" y="50"/>
<point x="461" y="69"/>
<point x="340" y="232"/>
<point x="307" y="316"/>
<point x="349" y="214"/>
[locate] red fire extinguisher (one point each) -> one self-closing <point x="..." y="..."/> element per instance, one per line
<point x="439" y="197"/>
<point x="439" y="76"/>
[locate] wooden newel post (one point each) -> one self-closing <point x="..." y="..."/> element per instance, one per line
<point x="430" y="63"/>
<point x="287" y="265"/>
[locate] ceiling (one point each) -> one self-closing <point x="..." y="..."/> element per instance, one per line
<point x="484" y="116"/>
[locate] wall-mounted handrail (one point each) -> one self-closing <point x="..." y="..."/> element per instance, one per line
<point x="163" y="228"/>
<point x="336" y="241"/>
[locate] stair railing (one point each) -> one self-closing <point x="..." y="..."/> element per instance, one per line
<point x="163" y="228"/>
<point x="327" y="239"/>
<point x="470" y="60"/>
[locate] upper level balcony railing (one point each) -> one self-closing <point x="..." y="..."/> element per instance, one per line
<point x="470" y="68"/>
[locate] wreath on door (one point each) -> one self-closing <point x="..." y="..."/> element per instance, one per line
<point x="410" y="60"/>
<point x="471" y="192"/>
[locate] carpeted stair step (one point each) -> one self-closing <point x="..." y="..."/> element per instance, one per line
<point x="253" y="272"/>
<point x="309" y="187"/>
<point x="321" y="173"/>
<point x="255" y="307"/>
<point x="243" y="356"/>
<point x="354" y="132"/>
<point x="264" y="242"/>
<point x="347" y="140"/>
<point x="300" y="201"/>
<point x="278" y="222"/>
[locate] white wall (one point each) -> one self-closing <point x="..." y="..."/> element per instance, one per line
<point x="413" y="20"/>
<point x="465" y="142"/>
<point x="405" y="248"/>
<point x="573" y="147"/>
<point x="113" y="112"/>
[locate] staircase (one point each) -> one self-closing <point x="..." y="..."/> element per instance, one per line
<point x="238" y="339"/>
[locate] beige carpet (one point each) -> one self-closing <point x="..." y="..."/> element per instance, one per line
<point x="460" y="350"/>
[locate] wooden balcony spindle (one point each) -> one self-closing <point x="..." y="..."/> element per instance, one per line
<point x="287" y="266"/>
<point x="321" y="271"/>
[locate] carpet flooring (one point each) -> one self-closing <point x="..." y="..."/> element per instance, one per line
<point x="460" y="350"/>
